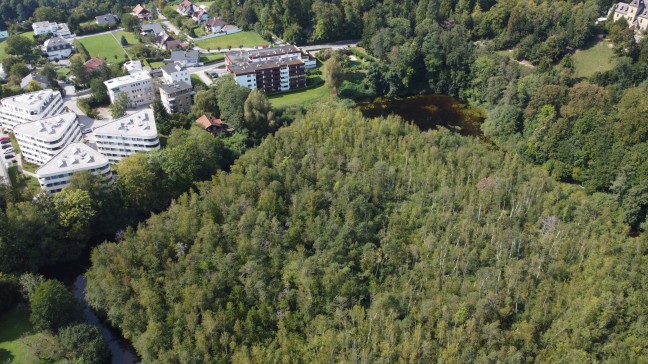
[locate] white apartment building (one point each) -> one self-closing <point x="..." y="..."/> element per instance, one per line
<point x="41" y="140"/>
<point x="46" y="27"/>
<point x="138" y="86"/>
<point x="128" y="135"/>
<point x="174" y="72"/>
<point x="55" y="175"/>
<point x="30" y="107"/>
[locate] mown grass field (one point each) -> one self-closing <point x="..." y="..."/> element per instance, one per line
<point x="211" y="57"/>
<point x="3" y="46"/>
<point x="245" y="39"/>
<point x="595" y="58"/>
<point x="105" y="46"/>
<point x="302" y="97"/>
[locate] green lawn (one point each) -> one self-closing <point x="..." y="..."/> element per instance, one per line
<point x="246" y="39"/>
<point x="13" y="326"/>
<point x="63" y="71"/>
<point x="211" y="57"/>
<point x="130" y="37"/>
<point x="303" y="97"/>
<point x="155" y="65"/>
<point x="3" y="45"/>
<point x="596" y="58"/>
<point x="105" y="46"/>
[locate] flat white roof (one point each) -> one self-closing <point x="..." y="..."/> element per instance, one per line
<point x="140" y="124"/>
<point x="48" y="129"/>
<point x="74" y="157"/>
<point x="32" y="101"/>
<point x="128" y="79"/>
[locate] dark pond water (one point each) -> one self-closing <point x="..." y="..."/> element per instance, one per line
<point x="71" y="274"/>
<point x="428" y="112"/>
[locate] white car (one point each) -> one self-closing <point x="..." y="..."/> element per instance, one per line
<point x="8" y="151"/>
<point x="86" y="131"/>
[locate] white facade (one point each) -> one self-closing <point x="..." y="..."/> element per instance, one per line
<point x="137" y="86"/>
<point x="128" y="135"/>
<point x="248" y="81"/>
<point x="174" y="72"/>
<point x="30" y="107"/>
<point x="57" y="48"/>
<point x="46" y="27"/>
<point x="41" y="140"/>
<point x="55" y="175"/>
<point x="133" y="67"/>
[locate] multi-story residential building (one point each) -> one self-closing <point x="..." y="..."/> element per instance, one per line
<point x="271" y="70"/>
<point x="41" y="140"/>
<point x="137" y="86"/>
<point x="174" y="72"/>
<point x="55" y="174"/>
<point x="57" y="48"/>
<point x="30" y="107"/>
<point x="636" y="13"/>
<point x="177" y="97"/>
<point x="128" y="135"/>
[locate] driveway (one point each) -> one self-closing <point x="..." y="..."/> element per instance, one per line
<point x="170" y="26"/>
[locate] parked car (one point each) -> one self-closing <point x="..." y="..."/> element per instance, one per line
<point x="8" y="150"/>
<point x="5" y="145"/>
<point x="213" y="74"/>
<point x="86" y="131"/>
<point x="9" y="156"/>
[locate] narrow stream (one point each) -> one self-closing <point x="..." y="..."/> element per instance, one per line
<point x="120" y="352"/>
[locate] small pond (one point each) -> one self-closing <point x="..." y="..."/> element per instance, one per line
<point x="428" y="112"/>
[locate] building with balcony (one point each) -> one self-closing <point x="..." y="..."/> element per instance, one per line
<point x="55" y="175"/>
<point x="177" y="97"/>
<point x="41" y="140"/>
<point x="270" y="70"/>
<point x="30" y="107"/>
<point x="137" y="86"/>
<point x="128" y="135"/>
<point x="174" y="72"/>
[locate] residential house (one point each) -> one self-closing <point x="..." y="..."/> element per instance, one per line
<point x="142" y="13"/>
<point x="200" y="16"/>
<point x="175" y="44"/>
<point x="4" y="34"/>
<point x="166" y="41"/>
<point x="174" y="72"/>
<point x="213" y="125"/>
<point x="177" y="96"/>
<point x="186" y="58"/>
<point x="230" y="29"/>
<point x="133" y="66"/>
<point x="94" y="64"/>
<point x="55" y="174"/>
<point x="186" y="8"/>
<point x="39" y="79"/>
<point x="45" y="27"/>
<point x="57" y="48"/>
<point x="108" y="20"/>
<point x="214" y="25"/>
<point x="636" y="13"/>
<point x="152" y="29"/>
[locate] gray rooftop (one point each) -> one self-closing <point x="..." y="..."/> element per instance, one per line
<point x="244" y="56"/>
<point x="74" y="157"/>
<point x="48" y="129"/>
<point x="153" y="27"/>
<point x="185" y="56"/>
<point x="140" y="124"/>
<point x="108" y="19"/>
<point x="57" y="42"/>
<point x="171" y="68"/>
<point x="33" y="77"/>
<point x="179" y="86"/>
<point x="252" y="67"/>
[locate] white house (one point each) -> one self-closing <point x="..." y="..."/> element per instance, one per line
<point x="137" y="86"/>
<point x="128" y="135"/>
<point x="30" y="107"/>
<point x="174" y="72"/>
<point x="55" y="174"/>
<point x="45" y="27"/>
<point x="57" y="48"/>
<point x="41" y="140"/>
<point x="636" y="13"/>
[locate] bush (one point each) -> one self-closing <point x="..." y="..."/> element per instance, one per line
<point x="83" y="342"/>
<point x="53" y="307"/>
<point x="9" y="292"/>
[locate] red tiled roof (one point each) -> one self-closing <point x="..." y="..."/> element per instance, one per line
<point x="139" y="9"/>
<point x="94" y="63"/>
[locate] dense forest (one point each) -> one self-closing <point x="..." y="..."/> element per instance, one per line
<point x="347" y="239"/>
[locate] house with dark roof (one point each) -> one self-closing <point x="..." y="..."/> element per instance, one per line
<point x="152" y="29"/>
<point x="57" y="48"/>
<point x="214" y="25"/>
<point x="36" y="77"/>
<point x="142" y="13"/>
<point x="94" y="64"/>
<point x="109" y="20"/>
<point x="189" y="58"/>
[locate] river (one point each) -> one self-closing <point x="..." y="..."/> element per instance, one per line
<point x="429" y="112"/>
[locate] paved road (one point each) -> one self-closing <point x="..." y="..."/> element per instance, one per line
<point x="219" y="67"/>
<point x="170" y="26"/>
<point x="4" y="174"/>
<point x="334" y="45"/>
